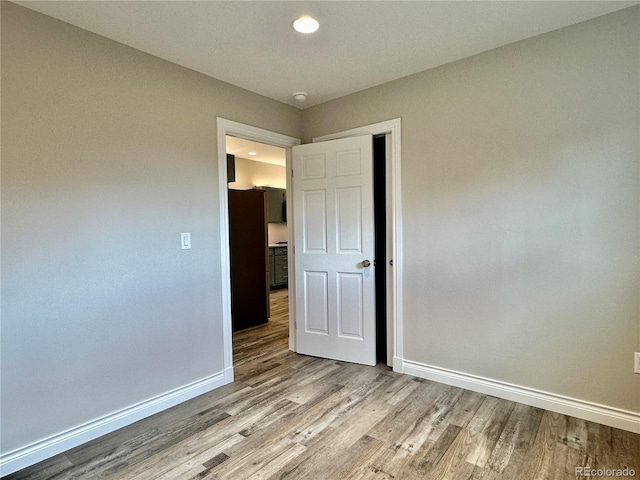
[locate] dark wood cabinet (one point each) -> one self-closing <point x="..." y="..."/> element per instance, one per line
<point x="250" y="277"/>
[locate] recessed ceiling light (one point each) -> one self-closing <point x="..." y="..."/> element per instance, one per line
<point x="252" y="153"/>
<point x="306" y="25"/>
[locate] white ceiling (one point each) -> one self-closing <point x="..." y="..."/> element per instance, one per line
<point x="360" y="44"/>
<point x="263" y="153"/>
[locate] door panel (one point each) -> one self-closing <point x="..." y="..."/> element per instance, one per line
<point x="350" y="319"/>
<point x="315" y="221"/>
<point x="316" y="303"/>
<point x="349" y="221"/>
<point x="334" y="235"/>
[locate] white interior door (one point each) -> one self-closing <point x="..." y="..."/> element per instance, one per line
<point x="334" y="247"/>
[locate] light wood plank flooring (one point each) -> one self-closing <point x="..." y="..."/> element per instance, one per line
<point x="288" y="416"/>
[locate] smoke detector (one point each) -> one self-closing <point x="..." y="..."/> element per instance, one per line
<point x="300" y="96"/>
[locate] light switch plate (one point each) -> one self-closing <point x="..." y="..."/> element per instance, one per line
<point x="636" y="363"/>
<point x="186" y="241"/>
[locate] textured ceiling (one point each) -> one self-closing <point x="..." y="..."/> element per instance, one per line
<point x="359" y="44"/>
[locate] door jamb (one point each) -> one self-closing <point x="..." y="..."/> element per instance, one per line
<point x="228" y="127"/>
<point x="393" y="180"/>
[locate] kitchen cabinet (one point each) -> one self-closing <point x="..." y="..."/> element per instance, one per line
<point x="276" y="204"/>
<point x="278" y="261"/>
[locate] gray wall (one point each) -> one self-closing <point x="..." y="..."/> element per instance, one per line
<point x="521" y="216"/>
<point x="108" y="154"/>
<point x="521" y="208"/>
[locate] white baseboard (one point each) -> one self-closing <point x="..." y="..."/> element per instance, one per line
<point x="398" y="365"/>
<point x="593" y="412"/>
<point x="36" y="452"/>
<point x="228" y="375"/>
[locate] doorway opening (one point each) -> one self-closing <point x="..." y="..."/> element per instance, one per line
<point x="258" y="238"/>
<point x="393" y="258"/>
<point x="228" y="128"/>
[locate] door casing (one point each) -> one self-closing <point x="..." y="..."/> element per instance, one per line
<point x="228" y="127"/>
<point x="392" y="130"/>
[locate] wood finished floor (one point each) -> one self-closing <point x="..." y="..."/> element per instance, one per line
<point x="288" y="416"/>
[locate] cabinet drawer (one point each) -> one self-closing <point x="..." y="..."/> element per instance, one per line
<point x="279" y="251"/>
<point x="280" y="277"/>
<point x="280" y="263"/>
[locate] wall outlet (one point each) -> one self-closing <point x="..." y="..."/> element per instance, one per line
<point x="636" y="362"/>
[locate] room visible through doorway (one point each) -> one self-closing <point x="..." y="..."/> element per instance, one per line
<point x="258" y="235"/>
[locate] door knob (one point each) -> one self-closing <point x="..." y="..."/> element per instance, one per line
<point x="366" y="263"/>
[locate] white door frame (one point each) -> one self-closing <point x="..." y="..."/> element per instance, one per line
<point x="393" y="181"/>
<point x="240" y="130"/>
<point x="390" y="128"/>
